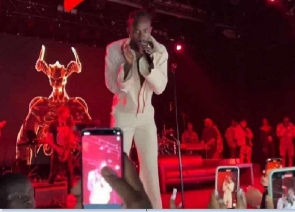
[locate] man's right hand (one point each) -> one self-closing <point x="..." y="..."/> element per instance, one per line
<point x="127" y="54"/>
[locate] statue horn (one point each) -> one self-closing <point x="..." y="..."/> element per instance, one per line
<point x="41" y="65"/>
<point x="76" y="56"/>
<point x="74" y="66"/>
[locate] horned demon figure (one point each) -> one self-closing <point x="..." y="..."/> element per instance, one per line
<point x="42" y="110"/>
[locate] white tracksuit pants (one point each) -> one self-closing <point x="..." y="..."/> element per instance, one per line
<point x="143" y="129"/>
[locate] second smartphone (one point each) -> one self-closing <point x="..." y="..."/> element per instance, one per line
<point x="100" y="148"/>
<point x="281" y="184"/>
<point x="273" y="163"/>
<point x="227" y="183"/>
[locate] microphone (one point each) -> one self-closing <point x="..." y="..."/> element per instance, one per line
<point x="149" y="60"/>
<point x="148" y="56"/>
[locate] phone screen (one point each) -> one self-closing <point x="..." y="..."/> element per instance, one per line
<point x="100" y="148"/>
<point x="273" y="163"/>
<point x="227" y="185"/>
<point x="283" y="184"/>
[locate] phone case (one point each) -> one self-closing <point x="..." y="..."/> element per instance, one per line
<point x="226" y="167"/>
<point x="270" y="186"/>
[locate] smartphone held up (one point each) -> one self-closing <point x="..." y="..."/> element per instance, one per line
<point x="281" y="188"/>
<point x="227" y="183"/>
<point x="100" y="148"/>
<point x="273" y="163"/>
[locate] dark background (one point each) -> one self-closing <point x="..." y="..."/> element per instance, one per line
<point x="250" y="77"/>
<point x="201" y="92"/>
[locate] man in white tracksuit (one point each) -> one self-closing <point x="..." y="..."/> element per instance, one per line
<point x="135" y="68"/>
<point x="228" y="187"/>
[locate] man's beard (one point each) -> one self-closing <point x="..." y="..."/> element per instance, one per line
<point x="134" y="45"/>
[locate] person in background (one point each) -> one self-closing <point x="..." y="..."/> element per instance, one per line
<point x="61" y="137"/>
<point x="231" y="139"/>
<point x="135" y="69"/>
<point x="16" y="192"/>
<point x="190" y="136"/>
<point x="211" y="137"/>
<point x="244" y="138"/>
<point x="285" y="133"/>
<point x="266" y="137"/>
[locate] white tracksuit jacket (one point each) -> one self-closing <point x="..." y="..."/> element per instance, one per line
<point x="132" y="109"/>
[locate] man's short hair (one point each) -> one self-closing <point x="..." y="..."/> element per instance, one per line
<point x="136" y="15"/>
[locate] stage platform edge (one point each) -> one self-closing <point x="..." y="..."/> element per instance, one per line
<point x="50" y="196"/>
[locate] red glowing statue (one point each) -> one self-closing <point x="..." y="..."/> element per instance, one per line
<point x="42" y="110"/>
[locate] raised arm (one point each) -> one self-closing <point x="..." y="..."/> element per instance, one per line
<point x="156" y="77"/>
<point x="115" y="78"/>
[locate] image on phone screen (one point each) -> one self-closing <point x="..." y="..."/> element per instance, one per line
<point x="227" y="185"/>
<point x="283" y="184"/>
<point x="99" y="151"/>
<point x="273" y="164"/>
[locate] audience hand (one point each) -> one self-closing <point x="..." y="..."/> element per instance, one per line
<point x="129" y="188"/>
<point x="217" y="203"/>
<point x="253" y="197"/>
<point x="269" y="202"/>
<point x="173" y="202"/>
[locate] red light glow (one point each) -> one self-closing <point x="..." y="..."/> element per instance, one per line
<point x="71" y="4"/>
<point x="178" y="47"/>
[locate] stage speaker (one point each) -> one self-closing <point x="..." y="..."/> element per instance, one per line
<point x="50" y="196"/>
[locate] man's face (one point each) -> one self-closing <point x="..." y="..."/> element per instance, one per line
<point x="21" y="196"/>
<point x="140" y="31"/>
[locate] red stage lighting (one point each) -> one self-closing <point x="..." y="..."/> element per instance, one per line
<point x="71" y="4"/>
<point x="178" y="47"/>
